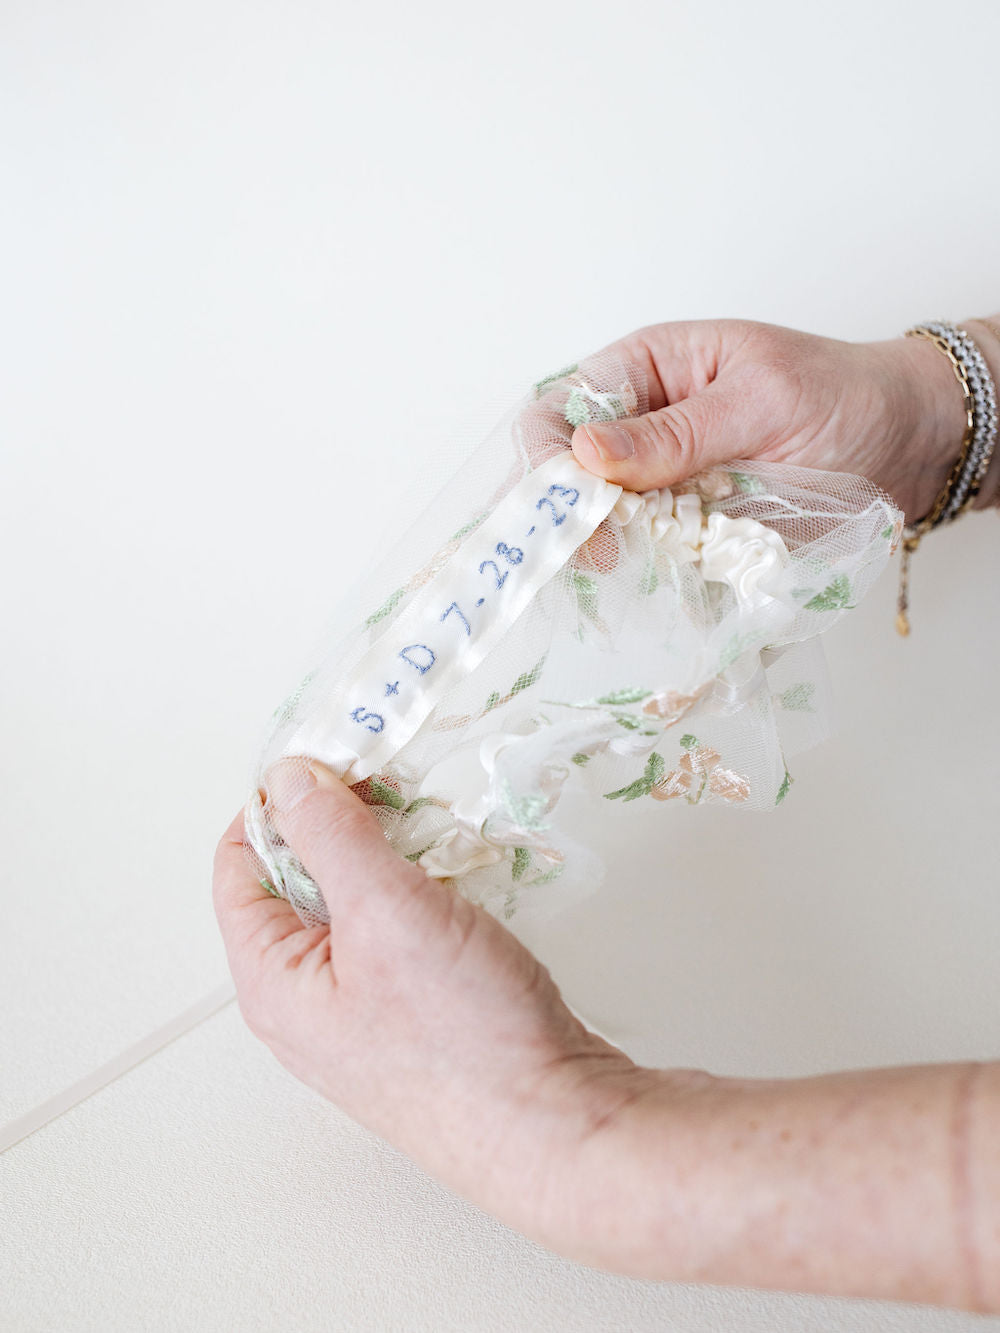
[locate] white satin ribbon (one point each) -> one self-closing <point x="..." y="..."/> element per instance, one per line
<point x="446" y="630"/>
<point x="16" y="1130"/>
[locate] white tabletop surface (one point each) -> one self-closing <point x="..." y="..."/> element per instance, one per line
<point x="262" y="265"/>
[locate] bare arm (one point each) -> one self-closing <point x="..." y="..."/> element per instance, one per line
<point x="881" y="1183"/>
<point x="426" y="1020"/>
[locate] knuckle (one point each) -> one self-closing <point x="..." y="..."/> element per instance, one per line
<point x="674" y="441"/>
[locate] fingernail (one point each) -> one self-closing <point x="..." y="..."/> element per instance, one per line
<point x="288" y="782"/>
<point x="613" y="443"/>
<point x="325" y="777"/>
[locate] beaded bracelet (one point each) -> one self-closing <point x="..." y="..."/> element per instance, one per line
<point x="978" y="442"/>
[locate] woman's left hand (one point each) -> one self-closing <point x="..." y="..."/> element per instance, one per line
<point x="420" y="1014"/>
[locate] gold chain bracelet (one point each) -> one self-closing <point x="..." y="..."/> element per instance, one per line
<point x="978" y="440"/>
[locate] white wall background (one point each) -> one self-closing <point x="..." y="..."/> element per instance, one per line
<point x="257" y="263"/>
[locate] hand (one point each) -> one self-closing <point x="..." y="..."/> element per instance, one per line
<point x="424" y="1019"/>
<point x="419" y="1014"/>
<point x="727" y="389"/>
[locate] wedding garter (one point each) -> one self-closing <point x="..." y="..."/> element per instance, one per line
<point x="555" y="647"/>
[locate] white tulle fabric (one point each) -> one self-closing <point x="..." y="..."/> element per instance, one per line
<point x="554" y="648"/>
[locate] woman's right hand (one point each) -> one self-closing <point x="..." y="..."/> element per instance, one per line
<point x="726" y="389"/>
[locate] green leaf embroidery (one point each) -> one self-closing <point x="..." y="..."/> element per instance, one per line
<point x="527" y="811"/>
<point x="585" y="403"/>
<point x="886" y="533"/>
<point x="627" y="720"/>
<point x="783" y="789"/>
<point x="284" y="711"/>
<point x="419" y="803"/>
<point x="390" y="603"/>
<point x="736" y="647"/>
<point x="298" y="882"/>
<point x="650" y="580"/>
<point x="836" y="596"/>
<point x="798" y="697"/>
<point x="576" y="412"/>
<point x="626" y="696"/>
<point x="383" y="794"/>
<point x="653" y="772"/>
<point x="689" y="742"/>
<point x="548" y="877"/>
<point x="471" y="526"/>
<point x="586" y="594"/>
<point x="414" y="857"/>
<point x="581" y="759"/>
<point x="266" y="884"/>
<point x="549" y="380"/>
<point x="522" y="859"/>
<point x="528" y="678"/>
<point x="747" y="484"/>
<point x="493" y="700"/>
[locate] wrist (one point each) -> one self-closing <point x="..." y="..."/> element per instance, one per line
<point x="925" y="405"/>
<point x="927" y="411"/>
<point x="631" y="1195"/>
<point x="986" y="334"/>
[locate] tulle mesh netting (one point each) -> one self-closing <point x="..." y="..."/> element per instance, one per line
<point x="556" y="649"/>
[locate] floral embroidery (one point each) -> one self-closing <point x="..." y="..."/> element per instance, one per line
<point x="520" y="865"/>
<point x="495" y="700"/>
<point x="285" y="711"/>
<point x="747" y="484"/>
<point x="786" y="782"/>
<point x="628" y="721"/>
<point x="526" y="811"/>
<point x="625" y="696"/>
<point x="586" y="404"/>
<point x="670" y="706"/>
<point x="382" y="790"/>
<point x="650" y="580"/>
<point x="387" y="607"/>
<point x="471" y="526"/>
<point x="715" y="484"/>
<point x="586" y="595"/>
<point x="798" y="697"/>
<point x="698" y="773"/>
<point x="546" y="383"/>
<point x="643" y="786"/>
<point x="836" y="596"/>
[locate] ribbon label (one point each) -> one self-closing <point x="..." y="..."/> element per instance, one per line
<point x="455" y="620"/>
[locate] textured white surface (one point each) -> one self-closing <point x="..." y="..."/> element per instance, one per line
<point x="209" y="1190"/>
<point x="240" y="242"/>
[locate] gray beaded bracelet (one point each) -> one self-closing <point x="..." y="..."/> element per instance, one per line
<point x="978" y="443"/>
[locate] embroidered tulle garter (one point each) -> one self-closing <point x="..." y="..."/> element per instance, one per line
<point x="555" y="647"/>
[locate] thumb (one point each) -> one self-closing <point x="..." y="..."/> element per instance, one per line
<point x="665" y="447"/>
<point x="337" y="838"/>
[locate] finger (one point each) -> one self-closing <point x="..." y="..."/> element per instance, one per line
<point x="244" y="909"/>
<point x="679" y="358"/>
<point x="338" y="840"/>
<point x="666" y="447"/>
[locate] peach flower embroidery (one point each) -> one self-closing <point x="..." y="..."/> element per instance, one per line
<point x="670" y="706"/>
<point x="699" y="773"/>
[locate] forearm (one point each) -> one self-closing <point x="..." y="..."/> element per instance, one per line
<point x="876" y="1183"/>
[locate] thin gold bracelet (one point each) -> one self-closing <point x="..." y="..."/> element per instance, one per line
<point x="967" y="471"/>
